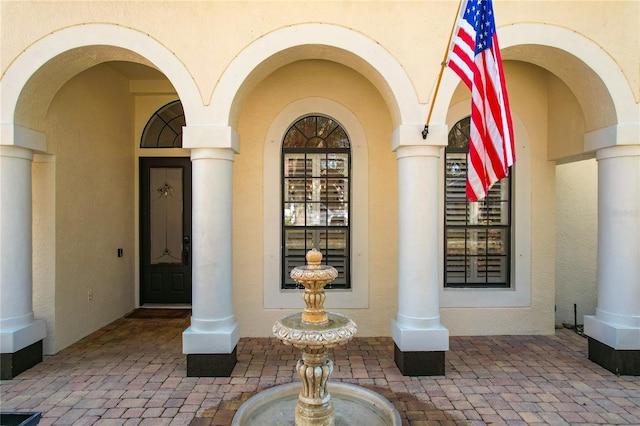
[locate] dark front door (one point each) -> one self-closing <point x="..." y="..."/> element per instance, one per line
<point x="165" y="230"/>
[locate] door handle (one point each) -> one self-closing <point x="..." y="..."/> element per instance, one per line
<point x="185" y="255"/>
<point x="185" y="250"/>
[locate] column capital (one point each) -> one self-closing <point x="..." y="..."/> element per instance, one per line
<point x="21" y="137"/>
<point x="210" y="137"/>
<point x="621" y="134"/>
<point x="44" y="158"/>
<point x="411" y="135"/>
<point x="212" y="154"/>
<point x="418" y="151"/>
<point x="12" y="151"/>
<point x="618" y="151"/>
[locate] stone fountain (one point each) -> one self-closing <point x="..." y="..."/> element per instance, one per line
<point x="314" y="331"/>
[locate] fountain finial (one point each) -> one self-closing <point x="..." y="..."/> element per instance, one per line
<point x="313" y="277"/>
<point x="314" y="257"/>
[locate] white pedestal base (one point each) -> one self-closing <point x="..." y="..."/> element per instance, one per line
<point x="13" y="340"/>
<point x="420" y="339"/>
<point x="616" y="336"/>
<point x="210" y="342"/>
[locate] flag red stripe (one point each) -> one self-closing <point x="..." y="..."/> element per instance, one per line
<point x="495" y="134"/>
<point x="464" y="64"/>
<point x="483" y="120"/>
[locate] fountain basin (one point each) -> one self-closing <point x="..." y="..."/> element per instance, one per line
<point x="292" y="330"/>
<point x="354" y="406"/>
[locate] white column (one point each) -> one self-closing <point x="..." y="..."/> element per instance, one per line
<point x="213" y="329"/>
<point x="417" y="326"/>
<point x="617" y="319"/>
<point x="18" y="329"/>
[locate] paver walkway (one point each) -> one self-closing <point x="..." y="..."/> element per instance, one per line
<point x="132" y="372"/>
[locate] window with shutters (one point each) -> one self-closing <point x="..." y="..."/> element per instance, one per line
<point x="477" y="234"/>
<point x="316" y="163"/>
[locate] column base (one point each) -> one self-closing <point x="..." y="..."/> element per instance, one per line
<point x="211" y="365"/>
<point x="12" y="364"/>
<point x="420" y="351"/>
<point x="210" y="353"/>
<point x="621" y="362"/>
<point x="420" y="363"/>
<point x="613" y="346"/>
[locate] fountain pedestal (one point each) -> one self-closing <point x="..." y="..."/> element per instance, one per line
<point x="314" y="405"/>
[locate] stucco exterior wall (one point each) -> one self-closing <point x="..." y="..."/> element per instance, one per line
<point x="90" y="132"/>
<point x="44" y="242"/>
<point x="577" y="240"/>
<point x="566" y="122"/>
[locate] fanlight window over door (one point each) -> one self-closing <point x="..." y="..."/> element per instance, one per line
<point x="316" y="168"/>
<point x="477" y="234"/>
<point x="164" y="128"/>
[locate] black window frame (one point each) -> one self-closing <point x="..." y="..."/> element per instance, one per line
<point x="317" y="144"/>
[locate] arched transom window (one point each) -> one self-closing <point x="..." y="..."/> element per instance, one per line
<point x="477" y="234"/>
<point x="164" y="128"/>
<point x="316" y="165"/>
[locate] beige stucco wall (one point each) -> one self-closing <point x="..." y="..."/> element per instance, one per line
<point x="43" y="177"/>
<point x="89" y="130"/>
<point x="566" y="122"/>
<point x="577" y="240"/>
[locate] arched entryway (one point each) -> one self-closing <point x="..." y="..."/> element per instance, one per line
<point x="68" y="127"/>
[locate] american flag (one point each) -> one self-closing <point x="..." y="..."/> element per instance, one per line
<point x="475" y="56"/>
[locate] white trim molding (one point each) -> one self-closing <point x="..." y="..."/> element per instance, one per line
<point x="369" y="58"/>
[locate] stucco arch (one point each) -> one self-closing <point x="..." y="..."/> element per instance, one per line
<point x="315" y="41"/>
<point x="64" y="53"/>
<point x="581" y="64"/>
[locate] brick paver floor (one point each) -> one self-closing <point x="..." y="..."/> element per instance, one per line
<point x="132" y="372"/>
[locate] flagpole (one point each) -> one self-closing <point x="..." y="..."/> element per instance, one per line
<point x="443" y="64"/>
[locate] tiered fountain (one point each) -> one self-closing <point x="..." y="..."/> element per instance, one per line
<point x="314" y="331"/>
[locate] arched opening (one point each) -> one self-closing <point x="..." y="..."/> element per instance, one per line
<point x="81" y="104"/>
<point x="317" y="42"/>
